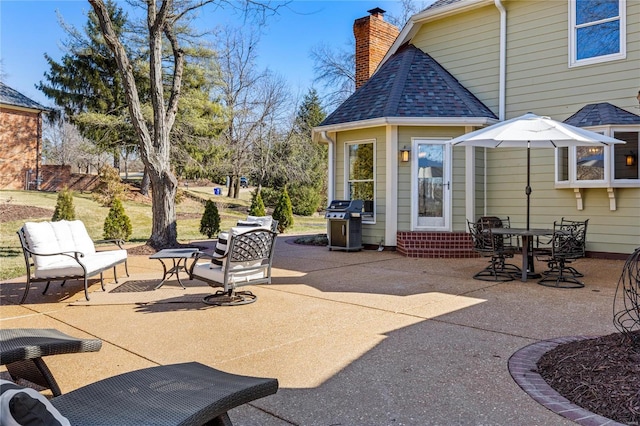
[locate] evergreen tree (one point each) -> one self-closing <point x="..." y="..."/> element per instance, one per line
<point x="257" y="205"/>
<point x="309" y="192"/>
<point x="210" y="222"/>
<point x="110" y="186"/>
<point x="87" y="85"/>
<point x="117" y="224"/>
<point x="64" y="206"/>
<point x="283" y="212"/>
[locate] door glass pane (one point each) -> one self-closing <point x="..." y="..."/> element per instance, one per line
<point x="430" y="183"/>
<point x="590" y="163"/>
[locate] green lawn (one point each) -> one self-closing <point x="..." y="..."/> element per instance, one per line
<point x="189" y="212"/>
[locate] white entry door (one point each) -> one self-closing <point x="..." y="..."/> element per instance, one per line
<point x="431" y="195"/>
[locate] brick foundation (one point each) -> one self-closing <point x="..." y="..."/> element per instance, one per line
<point x="435" y="244"/>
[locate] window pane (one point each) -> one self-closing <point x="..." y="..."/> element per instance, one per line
<point x="361" y="191"/>
<point x="598" y="40"/>
<point x="620" y="153"/>
<point x="361" y="161"/>
<point x="595" y="10"/>
<point x="563" y="164"/>
<point x="590" y="163"/>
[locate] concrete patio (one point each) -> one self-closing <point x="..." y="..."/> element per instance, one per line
<point x="358" y="338"/>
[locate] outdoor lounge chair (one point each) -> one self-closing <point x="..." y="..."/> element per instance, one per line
<point x="247" y="261"/>
<point x="22" y="349"/>
<point x="176" y="394"/>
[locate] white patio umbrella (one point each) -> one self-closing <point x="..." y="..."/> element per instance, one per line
<point x="532" y="131"/>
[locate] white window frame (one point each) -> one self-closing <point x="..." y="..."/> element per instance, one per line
<point x="573" y="49"/>
<point x="365" y="217"/>
<point x="609" y="180"/>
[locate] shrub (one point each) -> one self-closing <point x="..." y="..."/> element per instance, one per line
<point x="210" y="222"/>
<point x="110" y="186"/>
<point x="270" y="196"/>
<point x="64" y="206"/>
<point x="117" y="225"/>
<point x="305" y="200"/>
<point x="257" y="206"/>
<point x="283" y="212"/>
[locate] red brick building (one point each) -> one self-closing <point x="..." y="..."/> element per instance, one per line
<point x="20" y="140"/>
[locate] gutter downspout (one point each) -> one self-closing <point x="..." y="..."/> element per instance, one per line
<point x="331" y="172"/>
<point x="503" y="60"/>
<point x="502" y="84"/>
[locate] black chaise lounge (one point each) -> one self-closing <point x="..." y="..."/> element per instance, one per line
<point x="176" y="394"/>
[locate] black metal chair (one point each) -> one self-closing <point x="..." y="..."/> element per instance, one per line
<point x="496" y="247"/>
<point x="567" y="245"/>
<point x="247" y="262"/>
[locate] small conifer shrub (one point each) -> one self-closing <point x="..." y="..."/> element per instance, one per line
<point x="210" y="222"/>
<point x="64" y="206"/>
<point x="117" y="224"/>
<point x="257" y="206"/>
<point x="283" y="212"/>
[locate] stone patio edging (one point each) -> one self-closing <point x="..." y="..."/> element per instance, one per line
<point x="523" y="369"/>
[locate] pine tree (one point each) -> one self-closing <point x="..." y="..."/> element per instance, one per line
<point x="64" y="206"/>
<point x="257" y="205"/>
<point x="283" y="212"/>
<point x="117" y="224"/>
<point x="210" y="222"/>
<point x="110" y="187"/>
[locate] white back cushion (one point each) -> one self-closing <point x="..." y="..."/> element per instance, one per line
<point x="264" y="221"/>
<point x="57" y="237"/>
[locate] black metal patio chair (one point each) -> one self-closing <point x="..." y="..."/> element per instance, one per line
<point x="497" y="247"/>
<point x="567" y="245"/>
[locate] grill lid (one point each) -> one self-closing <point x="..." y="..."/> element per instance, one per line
<point x="343" y="209"/>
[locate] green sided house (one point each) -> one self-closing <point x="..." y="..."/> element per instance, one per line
<point x="461" y="65"/>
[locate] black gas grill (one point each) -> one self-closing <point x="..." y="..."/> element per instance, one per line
<point x="344" y="229"/>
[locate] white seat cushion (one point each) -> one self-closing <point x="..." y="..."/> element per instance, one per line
<point x="66" y="266"/>
<point x="205" y="271"/>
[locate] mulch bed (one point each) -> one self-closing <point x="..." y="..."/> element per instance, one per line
<point x="10" y="212"/>
<point x="601" y="375"/>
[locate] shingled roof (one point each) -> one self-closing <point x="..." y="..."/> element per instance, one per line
<point x="410" y="84"/>
<point x="9" y="96"/>
<point x="602" y="114"/>
<point x="441" y="3"/>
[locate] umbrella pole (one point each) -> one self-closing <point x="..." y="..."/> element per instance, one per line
<point x="528" y="188"/>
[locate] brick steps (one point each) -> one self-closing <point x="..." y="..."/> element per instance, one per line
<point x="435" y="244"/>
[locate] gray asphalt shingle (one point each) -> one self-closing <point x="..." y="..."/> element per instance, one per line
<point x="9" y="96"/>
<point x="602" y="114"/>
<point x="410" y="84"/>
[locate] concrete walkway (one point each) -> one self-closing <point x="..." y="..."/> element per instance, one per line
<point x="359" y="338"/>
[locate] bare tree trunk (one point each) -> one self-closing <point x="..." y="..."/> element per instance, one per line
<point x="164" y="232"/>
<point x="146" y="182"/>
<point x="153" y="142"/>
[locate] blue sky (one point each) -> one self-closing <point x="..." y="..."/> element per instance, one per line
<point x="29" y="28"/>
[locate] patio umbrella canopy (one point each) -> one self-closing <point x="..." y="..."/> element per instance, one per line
<point x="532" y="131"/>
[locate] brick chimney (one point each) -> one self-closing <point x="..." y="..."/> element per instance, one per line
<point x="374" y="37"/>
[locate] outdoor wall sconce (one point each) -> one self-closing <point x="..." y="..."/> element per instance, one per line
<point x="630" y="159"/>
<point x="405" y="154"/>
